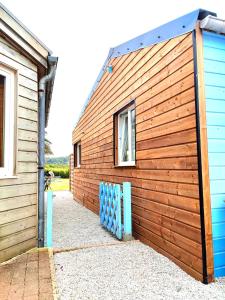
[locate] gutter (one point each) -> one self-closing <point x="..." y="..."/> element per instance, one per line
<point x="45" y="81"/>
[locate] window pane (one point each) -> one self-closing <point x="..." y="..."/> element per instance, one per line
<point x="2" y="109"/>
<point x="133" y="135"/>
<point x="124" y="137"/>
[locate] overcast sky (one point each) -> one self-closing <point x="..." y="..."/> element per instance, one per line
<point x="81" y="32"/>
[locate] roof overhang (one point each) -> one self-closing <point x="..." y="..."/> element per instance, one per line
<point x="22" y="36"/>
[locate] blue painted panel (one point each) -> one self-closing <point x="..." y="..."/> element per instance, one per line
<point x="218" y="231"/>
<point x="214" y="92"/>
<point x="218" y="200"/>
<point x="217" y="187"/>
<point x="219" y="259"/>
<point x="215" y="105"/>
<point x="214" y="54"/>
<point x="214" y="73"/>
<point x="219" y="272"/>
<point x="216" y="146"/>
<point x="213" y="40"/>
<point x="217" y="173"/>
<point x="214" y="79"/>
<point x="219" y="245"/>
<point x="216" y="159"/>
<point x="214" y="66"/>
<point x="215" y="118"/>
<point x="218" y="215"/>
<point x="216" y="132"/>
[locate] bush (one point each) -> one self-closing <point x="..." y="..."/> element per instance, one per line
<point x="58" y="170"/>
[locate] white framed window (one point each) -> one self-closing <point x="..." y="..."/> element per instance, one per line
<point x="7" y="122"/>
<point x="77" y="155"/>
<point x="126" y="137"/>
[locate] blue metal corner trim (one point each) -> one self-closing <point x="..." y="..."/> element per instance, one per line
<point x="160" y="34"/>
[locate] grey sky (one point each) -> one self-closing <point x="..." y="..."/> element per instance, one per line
<point x="81" y="33"/>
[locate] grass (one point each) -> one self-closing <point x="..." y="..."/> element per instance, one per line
<point x="60" y="184"/>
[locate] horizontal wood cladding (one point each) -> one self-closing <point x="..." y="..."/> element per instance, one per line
<point x="18" y="195"/>
<point x="165" y="192"/>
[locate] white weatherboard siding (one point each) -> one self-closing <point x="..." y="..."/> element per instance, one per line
<point x="18" y="196"/>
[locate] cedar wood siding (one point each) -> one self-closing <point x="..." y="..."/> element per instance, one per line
<point x="165" y="192"/>
<point x="18" y="196"/>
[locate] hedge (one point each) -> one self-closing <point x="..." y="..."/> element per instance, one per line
<point x="58" y="170"/>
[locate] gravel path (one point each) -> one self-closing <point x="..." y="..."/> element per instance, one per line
<point x="122" y="271"/>
<point x="74" y="225"/>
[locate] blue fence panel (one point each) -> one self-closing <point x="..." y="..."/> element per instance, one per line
<point x="112" y="200"/>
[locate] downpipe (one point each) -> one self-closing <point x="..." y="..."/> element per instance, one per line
<point x="52" y="62"/>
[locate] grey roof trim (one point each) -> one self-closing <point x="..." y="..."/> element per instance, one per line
<point x="25" y="28"/>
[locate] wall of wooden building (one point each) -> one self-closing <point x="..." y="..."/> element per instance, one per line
<point x="18" y="196"/>
<point x="165" y="192"/>
<point x="1" y="122"/>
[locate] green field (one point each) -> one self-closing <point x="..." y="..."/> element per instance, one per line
<point x="60" y="184"/>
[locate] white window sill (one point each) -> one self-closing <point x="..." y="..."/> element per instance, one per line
<point x="126" y="164"/>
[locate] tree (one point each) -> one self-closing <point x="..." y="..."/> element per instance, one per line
<point x="48" y="149"/>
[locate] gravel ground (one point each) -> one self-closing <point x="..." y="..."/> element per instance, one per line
<point x="74" y="225"/>
<point x="125" y="271"/>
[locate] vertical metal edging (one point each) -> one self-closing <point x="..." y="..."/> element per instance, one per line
<point x="201" y="197"/>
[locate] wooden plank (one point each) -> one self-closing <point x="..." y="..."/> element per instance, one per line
<point x="6" y="49"/>
<point x="24" y="156"/>
<point x="19" y="67"/>
<point x="28" y="125"/>
<point x="16" y="238"/>
<point x="176" y="138"/>
<point x="17" y="214"/>
<point x="26" y="135"/>
<point x="17" y="202"/>
<point x="180" y="240"/>
<point x="185" y="123"/>
<point x="17" y="190"/>
<point x="28" y="83"/>
<point x="27" y="167"/>
<point x="171" y="151"/>
<point x="19" y="179"/>
<point x="27" y="146"/>
<point x="28" y="114"/>
<point x="204" y="157"/>
<point x="17" y="249"/>
<point x="27" y="93"/>
<point x="16" y="226"/>
<point x="183" y="163"/>
<point x="168" y="116"/>
<point x="27" y="103"/>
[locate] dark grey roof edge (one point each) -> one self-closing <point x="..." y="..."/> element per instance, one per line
<point x="25" y="28"/>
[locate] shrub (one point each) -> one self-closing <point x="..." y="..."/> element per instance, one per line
<point x="58" y="170"/>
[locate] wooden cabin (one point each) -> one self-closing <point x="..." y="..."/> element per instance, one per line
<point x="156" y="117"/>
<point x="23" y="62"/>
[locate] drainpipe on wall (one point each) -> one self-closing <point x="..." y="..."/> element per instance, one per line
<point x="52" y="63"/>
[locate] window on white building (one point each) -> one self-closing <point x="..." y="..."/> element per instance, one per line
<point x="7" y="122"/>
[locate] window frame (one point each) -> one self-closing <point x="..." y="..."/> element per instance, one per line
<point x="77" y="154"/>
<point x="8" y="170"/>
<point x="117" y="136"/>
